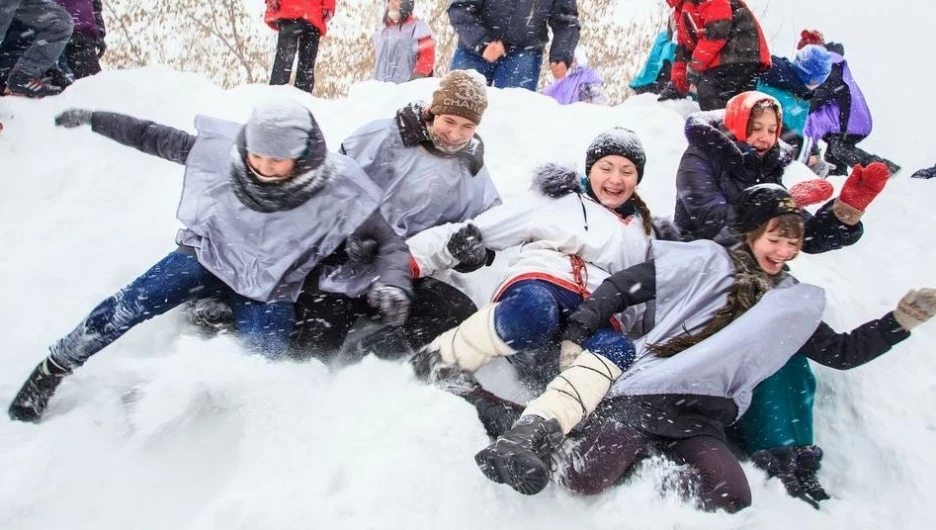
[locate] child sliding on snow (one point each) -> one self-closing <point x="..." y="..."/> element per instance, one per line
<point x="262" y="204"/>
<point x="724" y="321"/>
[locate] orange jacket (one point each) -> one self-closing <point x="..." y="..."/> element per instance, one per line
<point x="312" y="11"/>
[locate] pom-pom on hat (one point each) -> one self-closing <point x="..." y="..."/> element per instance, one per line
<point x="813" y="64"/>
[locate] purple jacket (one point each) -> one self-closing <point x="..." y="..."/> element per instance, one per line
<point x="838" y="106"/>
<point x="86" y="15"/>
<point x="581" y="84"/>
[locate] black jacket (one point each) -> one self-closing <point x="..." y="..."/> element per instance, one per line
<point x="519" y="24"/>
<point x="716" y="168"/>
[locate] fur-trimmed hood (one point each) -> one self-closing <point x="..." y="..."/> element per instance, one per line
<point x="706" y="131"/>
<point x="411" y="120"/>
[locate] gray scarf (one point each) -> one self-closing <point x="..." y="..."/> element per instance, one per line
<point x="280" y="196"/>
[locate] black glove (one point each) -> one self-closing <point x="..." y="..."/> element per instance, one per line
<point x="466" y="268"/>
<point x="576" y="332"/>
<point x="361" y="251"/>
<point x="72" y="118"/>
<point x="100" y="47"/>
<point x="797" y="474"/>
<point x="465" y="245"/>
<point x="392" y="303"/>
<point x="670" y="92"/>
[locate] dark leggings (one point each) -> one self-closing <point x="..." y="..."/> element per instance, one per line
<point x="324" y="319"/>
<point x="295" y="36"/>
<point x="81" y="54"/>
<point x="605" y="448"/>
<point x="717" y="85"/>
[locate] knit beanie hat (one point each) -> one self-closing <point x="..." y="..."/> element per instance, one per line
<point x="617" y="141"/>
<point x="810" y="36"/>
<point x="761" y="203"/>
<point x="281" y="128"/>
<point x="461" y="93"/>
<point x="813" y="64"/>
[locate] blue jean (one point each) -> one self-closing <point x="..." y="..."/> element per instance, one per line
<point x="530" y="316"/>
<point x="519" y="68"/>
<point x="174" y="280"/>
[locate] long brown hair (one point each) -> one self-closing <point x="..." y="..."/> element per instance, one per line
<point x="644" y="212"/>
<point x="750" y="284"/>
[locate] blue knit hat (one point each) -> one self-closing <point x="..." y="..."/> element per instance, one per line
<point x="813" y="64"/>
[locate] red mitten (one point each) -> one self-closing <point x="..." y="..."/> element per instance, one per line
<point x="811" y="192"/>
<point x="678" y="77"/>
<point x="864" y="184"/>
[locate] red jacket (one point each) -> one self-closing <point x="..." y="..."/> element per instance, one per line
<point x="312" y="11"/>
<point x="712" y="33"/>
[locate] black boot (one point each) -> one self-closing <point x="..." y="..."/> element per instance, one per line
<point x="30" y="402"/>
<point x="496" y="414"/>
<point x="808" y="462"/>
<point x="521" y="457"/>
<point x="780" y="462"/>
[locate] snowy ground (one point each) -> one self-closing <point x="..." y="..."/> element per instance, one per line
<point x="165" y="430"/>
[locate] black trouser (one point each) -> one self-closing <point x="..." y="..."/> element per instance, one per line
<point x="295" y="36"/>
<point x="324" y="319"/>
<point x="844" y="153"/>
<point x="605" y="449"/>
<point x="81" y="54"/>
<point x="719" y="84"/>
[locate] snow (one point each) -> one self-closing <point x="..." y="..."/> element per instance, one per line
<point x="166" y="430"/>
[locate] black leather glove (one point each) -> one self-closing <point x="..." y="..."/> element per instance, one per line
<point x="361" y="251"/>
<point x="466" y="246"/>
<point x="795" y="466"/>
<point x="72" y="118"/>
<point x="392" y="302"/>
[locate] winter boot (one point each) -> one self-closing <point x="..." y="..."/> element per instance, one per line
<point x="808" y="462"/>
<point x="19" y="85"/>
<point x="468" y="346"/>
<point x="780" y="462"/>
<point x="521" y="457"/>
<point x="925" y="173"/>
<point x="30" y="402"/>
<point x="496" y="413"/>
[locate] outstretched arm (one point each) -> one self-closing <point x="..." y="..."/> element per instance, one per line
<point x="149" y="137"/>
<point x="848" y="350"/>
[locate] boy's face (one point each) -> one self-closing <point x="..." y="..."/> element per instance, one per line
<point x="270" y="169"/>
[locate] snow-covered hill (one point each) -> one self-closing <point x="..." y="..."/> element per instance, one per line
<point x="166" y="430"/>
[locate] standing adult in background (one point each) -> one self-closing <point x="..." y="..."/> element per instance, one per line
<point x="300" y="23"/>
<point x="53" y="28"/>
<point x="504" y="39"/>
<point x="86" y="46"/>
<point x="721" y="50"/>
<point x="403" y="45"/>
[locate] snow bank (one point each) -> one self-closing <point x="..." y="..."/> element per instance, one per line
<point x="166" y="430"/>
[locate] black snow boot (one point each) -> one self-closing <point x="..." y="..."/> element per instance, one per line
<point x="521" y="457"/>
<point x="780" y="462"/>
<point x="30" y="402"/>
<point x="925" y="173"/>
<point x="20" y="85"/>
<point x="496" y="414"/>
<point x="808" y="462"/>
